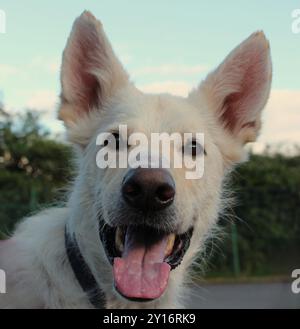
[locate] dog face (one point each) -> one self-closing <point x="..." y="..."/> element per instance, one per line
<point x="154" y="220"/>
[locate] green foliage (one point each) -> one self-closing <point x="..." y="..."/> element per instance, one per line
<point x="33" y="168"/>
<point x="267" y="217"/>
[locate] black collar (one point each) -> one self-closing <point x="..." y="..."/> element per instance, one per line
<point x="83" y="273"/>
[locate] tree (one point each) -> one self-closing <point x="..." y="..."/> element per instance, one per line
<point x="33" y="167"/>
<point x="267" y="216"/>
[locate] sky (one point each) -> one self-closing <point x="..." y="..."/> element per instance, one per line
<point x="166" y="45"/>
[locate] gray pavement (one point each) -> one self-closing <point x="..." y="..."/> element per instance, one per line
<point x="245" y="295"/>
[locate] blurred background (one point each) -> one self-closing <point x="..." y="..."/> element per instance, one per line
<point x="167" y="46"/>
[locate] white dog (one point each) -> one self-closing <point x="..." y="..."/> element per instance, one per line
<point x="127" y="237"/>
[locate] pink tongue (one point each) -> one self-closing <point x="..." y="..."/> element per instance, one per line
<point x="141" y="272"/>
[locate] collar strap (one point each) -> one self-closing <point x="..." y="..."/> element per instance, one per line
<point x="83" y="273"/>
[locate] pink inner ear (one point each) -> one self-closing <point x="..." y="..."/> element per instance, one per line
<point x="83" y="55"/>
<point x="246" y="74"/>
<point x="85" y="86"/>
<point x="239" y="108"/>
<point x="229" y="115"/>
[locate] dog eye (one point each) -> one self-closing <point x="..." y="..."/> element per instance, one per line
<point x="193" y="148"/>
<point x="117" y="138"/>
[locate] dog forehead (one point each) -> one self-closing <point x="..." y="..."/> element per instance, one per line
<point x="158" y="113"/>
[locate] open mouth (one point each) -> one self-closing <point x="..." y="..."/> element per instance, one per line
<point x="142" y="258"/>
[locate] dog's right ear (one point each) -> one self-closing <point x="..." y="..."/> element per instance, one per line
<point x="90" y="72"/>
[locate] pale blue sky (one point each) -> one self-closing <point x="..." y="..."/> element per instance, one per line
<point x="165" y="45"/>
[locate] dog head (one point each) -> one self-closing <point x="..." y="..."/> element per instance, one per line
<point x="154" y="220"/>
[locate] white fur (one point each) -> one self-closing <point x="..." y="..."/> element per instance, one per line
<point x="97" y="97"/>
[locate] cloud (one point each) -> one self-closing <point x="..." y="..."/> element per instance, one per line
<point x="48" y="65"/>
<point x="6" y="71"/>
<point x="45" y="102"/>
<point x="180" y="88"/>
<point x="171" y="69"/>
<point x="42" y="100"/>
<point x="281" y="118"/>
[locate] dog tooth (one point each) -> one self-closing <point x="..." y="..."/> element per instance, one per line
<point x="118" y="240"/>
<point x="170" y="244"/>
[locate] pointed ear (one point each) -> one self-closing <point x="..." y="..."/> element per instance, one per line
<point x="239" y="88"/>
<point x="90" y="71"/>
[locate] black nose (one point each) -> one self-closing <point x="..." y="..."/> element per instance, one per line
<point x="148" y="188"/>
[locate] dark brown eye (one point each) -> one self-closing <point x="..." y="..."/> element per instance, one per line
<point x="116" y="136"/>
<point x="193" y="148"/>
<point x="117" y="139"/>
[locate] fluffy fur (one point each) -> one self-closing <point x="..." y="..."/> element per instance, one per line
<point x="97" y="96"/>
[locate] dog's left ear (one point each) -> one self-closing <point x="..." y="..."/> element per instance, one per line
<point x="90" y="72"/>
<point x="239" y="88"/>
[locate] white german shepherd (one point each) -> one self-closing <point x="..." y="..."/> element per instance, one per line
<point x="127" y="237"/>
